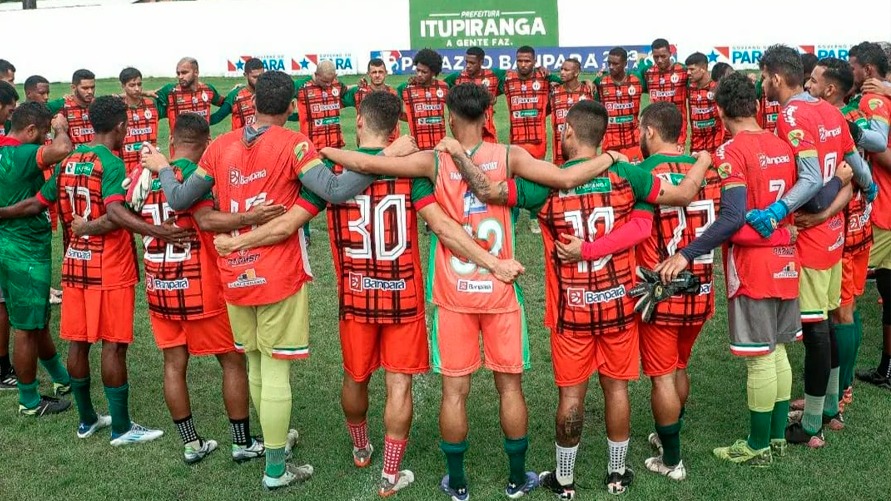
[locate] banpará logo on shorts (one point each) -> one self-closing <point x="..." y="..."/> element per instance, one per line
<point x="577" y="296"/>
<point x="788" y="271"/>
<point x="361" y="283"/>
<point x="475" y="286"/>
<point x="79" y="255"/>
<point x="247" y="279"/>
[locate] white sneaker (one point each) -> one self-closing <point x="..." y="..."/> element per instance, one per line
<point x="192" y="455"/>
<point x="403" y="479"/>
<point x="676" y="472"/>
<point x="655" y="442"/>
<point x="102" y="421"/>
<point x="256" y="450"/>
<point x="137" y="434"/>
<point x="293" y="475"/>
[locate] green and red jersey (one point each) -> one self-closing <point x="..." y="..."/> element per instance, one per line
<point x="355" y="95"/>
<point x="21" y="168"/>
<point x="669" y="85"/>
<point x="244" y="112"/>
<point x="527" y="104"/>
<point x="622" y="103"/>
<point x="173" y="100"/>
<point x="707" y="129"/>
<point x="142" y="126"/>
<point x="319" y="110"/>
<point x="491" y="80"/>
<point x="425" y="111"/>
<point x="768" y="111"/>
<point x="858" y="230"/>
<point x="561" y="100"/>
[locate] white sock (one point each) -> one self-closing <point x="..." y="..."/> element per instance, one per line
<point x="566" y="464"/>
<point x="617" y="453"/>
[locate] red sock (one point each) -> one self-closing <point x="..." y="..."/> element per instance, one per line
<point x="359" y="434"/>
<point x="393" y="452"/>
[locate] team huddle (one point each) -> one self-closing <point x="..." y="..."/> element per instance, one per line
<point x="797" y="161"/>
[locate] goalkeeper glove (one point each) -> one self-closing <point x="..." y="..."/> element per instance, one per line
<point x="652" y="291"/>
<point x="871" y="192"/>
<point x="856" y="131"/>
<point x="767" y="220"/>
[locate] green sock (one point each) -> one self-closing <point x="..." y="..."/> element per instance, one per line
<point x="119" y="408"/>
<point x="830" y="404"/>
<point x="516" y="457"/>
<point x="858" y="335"/>
<point x="28" y="395"/>
<point x="845" y="337"/>
<point x="671" y="443"/>
<point x="759" y="429"/>
<point x="778" y="420"/>
<point x="80" y="388"/>
<point x="56" y="370"/>
<point x="812" y="418"/>
<point x="455" y="462"/>
<point x="275" y="462"/>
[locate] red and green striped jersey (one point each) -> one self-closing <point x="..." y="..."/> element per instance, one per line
<point x="707" y="128"/>
<point x="527" y="103"/>
<point x="319" y="110"/>
<point x="491" y="80"/>
<point x="768" y="111"/>
<point x="80" y="130"/>
<point x="671" y="86"/>
<point x="425" y="111"/>
<point x="561" y="100"/>
<point x="858" y="230"/>
<point x="173" y="100"/>
<point x="622" y="103"/>
<point x="244" y="112"/>
<point x="876" y="107"/>
<point x="355" y="95"/>
<point x="142" y="126"/>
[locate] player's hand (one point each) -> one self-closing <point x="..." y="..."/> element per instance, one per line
<point x="856" y="131"/>
<point x="875" y="86"/>
<point x="79" y="226"/>
<point x="620" y="157"/>
<point x="793" y="233"/>
<point x="225" y="244"/>
<point x="803" y="220"/>
<point x="150" y="93"/>
<point x="670" y="268"/>
<point x="60" y="124"/>
<point x="169" y="232"/>
<point x="451" y="146"/>
<point x="402" y="146"/>
<point x="704" y="155"/>
<point x="324" y="152"/>
<point x="263" y="213"/>
<point x="752" y="77"/>
<point x="507" y="270"/>
<point x="844" y="172"/>
<point x="152" y="158"/>
<point x="765" y="221"/>
<point x="363" y="82"/>
<point x="569" y="248"/>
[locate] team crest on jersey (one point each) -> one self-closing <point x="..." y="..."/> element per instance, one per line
<point x="485" y="82"/>
<point x="300" y="150"/>
<point x="795" y="137"/>
<point x="148" y="114"/>
<point x="724" y="170"/>
<point x="204" y="96"/>
<point x="439" y="93"/>
<point x="631" y="91"/>
<point x="710" y="95"/>
<point x="523" y="87"/>
<point x="536" y="86"/>
<point x="335" y="92"/>
<point x="675" y="78"/>
<point x="875" y="103"/>
<point x="427" y="94"/>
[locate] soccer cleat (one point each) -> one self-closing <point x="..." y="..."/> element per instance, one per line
<point x="362" y="457"/>
<point x="741" y="453"/>
<point x="848" y="396"/>
<point x="47" y="405"/>
<point x="534" y="228"/>
<point x="795" y="416"/>
<point x="290" y="443"/>
<point x="548" y="480"/>
<point x="60" y="389"/>
<point x="256" y="450"/>
<point x="655" y="442"/>
<point x="192" y="456"/>
<point x="778" y="447"/>
<point x="292" y="475"/>
<point x="834" y="423"/>
<point x="796" y="405"/>
<point x="9" y="381"/>
<point x="676" y="472"/>
<point x="516" y="491"/>
<point x="137" y="434"/>
<point x="795" y="434"/>
<point x="617" y="483"/>
<point x="403" y="479"/>
<point x="874" y="377"/>
<point x="86" y="431"/>
<point x="457" y="494"/>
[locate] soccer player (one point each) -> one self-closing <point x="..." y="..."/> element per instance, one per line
<point x="562" y="97"/>
<point x="527" y="89"/>
<point x="75" y="107"/>
<point x="588" y="297"/>
<point x="467" y="300"/>
<point x="820" y="139"/>
<point x="319" y="101"/>
<point x="142" y="123"/>
<point x="707" y="132"/>
<point x="667" y="81"/>
<point x="808" y="62"/>
<point x="424" y="97"/>
<point x="188" y="95"/>
<point x="25" y="257"/>
<point x="7" y="72"/>
<point x="8" y="99"/>
<point x="37" y="89"/>
<point x="379" y="282"/>
<point x="488" y="78"/>
<point x="721" y="70"/>
<point x="755" y="167"/>
<point x="620" y="92"/>
<point x="666" y="341"/>
<point x="240" y="101"/>
<point x="768" y="109"/>
<point x="375" y="80"/>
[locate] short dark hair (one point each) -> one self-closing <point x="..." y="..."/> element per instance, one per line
<point x="33" y="81"/>
<point x="376" y="62"/>
<point x="697" y="59"/>
<point x="735" y="95"/>
<point x="274" y="93"/>
<point x="106" y="112"/>
<point x="574" y="60"/>
<point x="721" y="70"/>
<point x="81" y="75"/>
<point x="191" y="128"/>
<point x="808" y="61"/>
<point x="838" y="72"/>
<point x="468" y="101"/>
<point x="783" y="61"/>
<point x="665" y="118"/>
<point x="526" y="49"/>
<point x="380" y="110"/>
<point x="870" y="53"/>
<point x="619" y="51"/>
<point x="253" y="64"/>
<point x="660" y="43"/>
<point x="31" y="113"/>
<point x="476" y="51"/>
<point x="6" y="66"/>
<point x="429" y="58"/>
<point x="588" y="120"/>
<point x="128" y="74"/>
<point x="8" y="94"/>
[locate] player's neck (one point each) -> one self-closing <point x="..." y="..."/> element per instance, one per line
<point x="469" y="135"/>
<point x="619" y="78"/>
<point x="583" y="152"/>
<point x="106" y="140"/>
<point x="190" y="154"/>
<point x="382" y="86"/>
<point x="661" y="148"/>
<point x="270" y="120"/>
<point x="786" y="93"/>
<point x="371" y="142"/>
<point x="572" y="84"/>
<point x="746" y="124"/>
<point x="18" y="136"/>
<point x="838" y="102"/>
<point x="703" y="83"/>
<point x="132" y="101"/>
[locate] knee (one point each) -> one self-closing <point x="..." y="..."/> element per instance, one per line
<point x="508" y="383"/>
<point x="665" y="382"/>
<point x="455" y="390"/>
<point x="398" y="385"/>
<point x="232" y="362"/>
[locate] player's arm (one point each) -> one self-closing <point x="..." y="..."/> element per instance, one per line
<point x="209" y="219"/>
<point x="403" y="115"/>
<point x="823" y="199"/>
<point x="123" y="217"/>
<point x="873" y="138"/>
<point x="82" y="228"/>
<point x="180" y="195"/>
<point x="805" y="220"/>
<point x="862" y="174"/>
<point x="420" y="164"/>
<point x="226" y="108"/>
<point x="160" y="97"/>
<point x="26" y="208"/>
<point x="216" y="98"/>
<point x="876" y="86"/>
<point x="349" y="97"/>
<point x="61" y="146"/>
<point x="571" y="248"/>
<point x="270" y="233"/>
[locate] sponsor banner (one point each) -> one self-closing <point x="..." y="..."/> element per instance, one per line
<point x="295" y="64"/>
<point x="501" y="23"/>
<point x="593" y="59"/>
<point x="746" y="57"/>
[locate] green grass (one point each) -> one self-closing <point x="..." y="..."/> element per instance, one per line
<point x="42" y="457"/>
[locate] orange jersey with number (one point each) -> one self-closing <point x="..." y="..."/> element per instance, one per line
<point x="858" y="230"/>
<point x="244" y="112"/>
<point x="562" y="99"/>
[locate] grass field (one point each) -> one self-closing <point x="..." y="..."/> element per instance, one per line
<point x="43" y="458"/>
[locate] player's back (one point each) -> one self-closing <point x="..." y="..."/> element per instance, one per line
<point x="374" y="242"/>
<point x="22" y="179"/>
<point x="456" y="284"/>
<point x="858" y="213"/>
<point x="675" y="228"/>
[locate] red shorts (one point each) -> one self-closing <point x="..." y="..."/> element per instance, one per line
<point x="202" y="336"/>
<point x="456" y="342"/>
<point x="666" y="348"/>
<point x="91" y="315"/>
<point x="399" y="348"/>
<point x="576" y="358"/>
<point x="538" y="151"/>
<point x="854" y="268"/>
